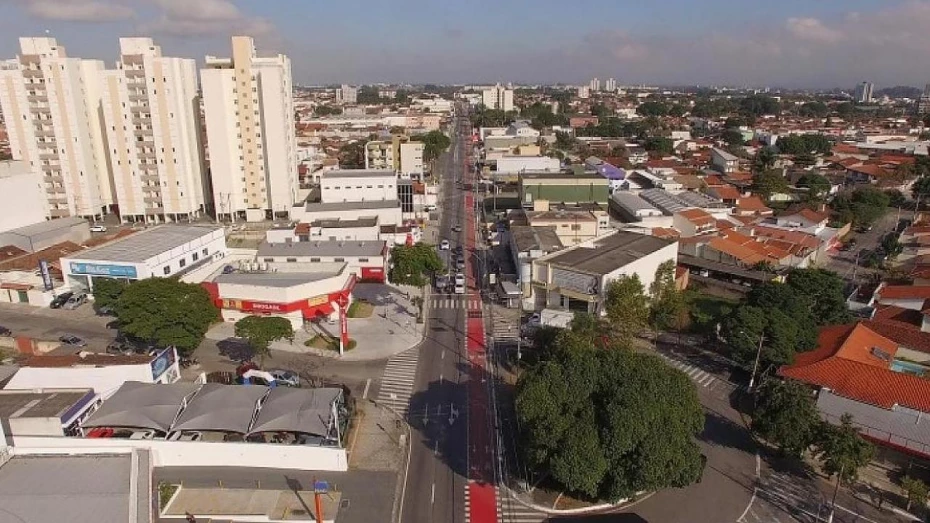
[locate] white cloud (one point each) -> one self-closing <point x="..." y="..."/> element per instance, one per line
<point x="204" y="18"/>
<point x="79" y="10"/>
<point x="813" y="30"/>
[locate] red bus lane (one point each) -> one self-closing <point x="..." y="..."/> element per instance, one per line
<point x="482" y="502"/>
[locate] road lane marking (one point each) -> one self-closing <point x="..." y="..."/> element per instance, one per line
<point x="432" y="495"/>
<point x="440" y="379"/>
<point x="751" y="501"/>
<point x="365" y="392"/>
<point x="443" y="355"/>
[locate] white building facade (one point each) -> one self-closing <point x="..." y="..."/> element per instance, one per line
<point x="21" y="196"/>
<point x="152" y="123"/>
<point x="249" y="112"/>
<point x="358" y="186"/>
<point x="50" y="103"/>
<point x="497" y="97"/>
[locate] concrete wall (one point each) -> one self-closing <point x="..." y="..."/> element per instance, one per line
<point x="645" y="267"/>
<point x="199" y="453"/>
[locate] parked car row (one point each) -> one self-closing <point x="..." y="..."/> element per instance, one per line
<point x="69" y="300"/>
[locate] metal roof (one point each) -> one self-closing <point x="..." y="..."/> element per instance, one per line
<point x="349" y="206"/>
<point x="632" y="202"/>
<point x="47" y="226"/>
<point x="359" y="173"/>
<point x="609" y="253"/>
<point x="277" y="279"/>
<point x="146" y="244"/>
<point x="221" y="408"/>
<point x="35" y="404"/>
<point x="308" y="411"/>
<point x="142" y="405"/>
<point x="663" y="200"/>
<point x="323" y="248"/>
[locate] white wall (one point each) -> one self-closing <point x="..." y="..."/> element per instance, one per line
<point x="411" y="158"/>
<point x="645" y="267"/>
<point x="515" y="164"/>
<point x="386" y="216"/>
<point x="198" y="453"/>
<point x="379" y="186"/>
<point x="21" y="196"/>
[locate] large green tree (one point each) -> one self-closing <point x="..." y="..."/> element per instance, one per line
<point x="352" y="155"/>
<point x="764" y="160"/>
<point x="107" y="292"/>
<point x="260" y="331"/>
<point x="796" y="144"/>
<point x="767" y="183"/>
<point x="824" y="290"/>
<point x="652" y="109"/>
<point x="659" y="144"/>
<point x="666" y="302"/>
<point x="785" y="415"/>
<point x="166" y="312"/>
<point x="818" y="186"/>
<point x="575" y="416"/>
<point x="413" y="264"/>
<point x="862" y="206"/>
<point x="627" y="308"/>
<point x="921" y="188"/>
<point x="434" y="144"/>
<point x="842" y="451"/>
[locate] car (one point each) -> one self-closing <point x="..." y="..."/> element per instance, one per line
<point x="457" y="228"/>
<point x="74" y="341"/>
<point x="444" y="245"/>
<point x="100" y="432"/>
<point x="460" y="288"/>
<point x="459" y="250"/>
<point x="285" y="377"/>
<point x="60" y="300"/>
<point x="229" y="269"/>
<point x="120" y="348"/>
<point x="98" y="228"/>
<point x="429" y="208"/>
<point x="5" y="331"/>
<point x="75" y="301"/>
<point x="143" y="434"/>
<point x="186" y="436"/>
<point x="442" y="281"/>
<point x="532" y="319"/>
<point x="459" y="279"/>
<point x="459" y="264"/>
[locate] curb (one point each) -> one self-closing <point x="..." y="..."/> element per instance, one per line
<point x="576" y="511"/>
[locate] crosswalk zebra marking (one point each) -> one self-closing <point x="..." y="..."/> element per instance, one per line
<point x="694" y="373"/>
<point x="397" y="381"/>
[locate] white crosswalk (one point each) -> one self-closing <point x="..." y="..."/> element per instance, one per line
<point x="510" y="511"/>
<point x="397" y="381"/>
<point x="454" y="302"/>
<point x="698" y="376"/>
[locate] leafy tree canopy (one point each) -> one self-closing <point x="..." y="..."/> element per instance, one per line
<point x="107" y="292"/>
<point x="815" y="109"/>
<point x="627" y="308"/>
<point x="767" y="183"/>
<point x="352" y="155"/>
<point x="262" y="330"/>
<point x="786" y="415"/>
<point x="666" y="301"/>
<point x="412" y="264"/>
<point x="842" y="451"/>
<point x="326" y="110"/>
<point x="434" y="144"/>
<point x="659" y="144"/>
<point x="824" y="291"/>
<point x="167" y="312"/>
<point x="732" y="136"/>
<point x="541" y="115"/>
<point x="756" y="105"/>
<point x="576" y="421"/>
<point x="612" y="127"/>
<point x="862" y="206"/>
<point x="484" y="117"/>
<point x="652" y="109"/>
<point x="818" y="186"/>
<point x="797" y="144"/>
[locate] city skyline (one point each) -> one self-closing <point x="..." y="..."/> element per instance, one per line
<point x="791" y="44"/>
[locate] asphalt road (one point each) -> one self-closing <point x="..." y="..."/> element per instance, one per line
<point x="49" y="324"/>
<point x="435" y="488"/>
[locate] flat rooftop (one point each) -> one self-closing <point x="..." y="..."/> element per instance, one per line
<point x="336" y="223"/>
<point x="73" y="488"/>
<point x="562" y="176"/>
<point x="323" y="248"/>
<point x="277" y="279"/>
<point x="47" y="226"/>
<point x="609" y="253"/>
<point x="146" y="244"/>
<point x="31" y="404"/>
<point x="359" y="173"/>
<point x="350" y="206"/>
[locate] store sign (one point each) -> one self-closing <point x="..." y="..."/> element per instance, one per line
<point x="266" y="307"/>
<point x="98" y="269"/>
<point x="317" y="301"/>
<point x="46" y="275"/>
<point x="573" y="281"/>
<point x="163" y="362"/>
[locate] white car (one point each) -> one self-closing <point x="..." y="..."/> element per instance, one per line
<point x="444" y="245"/>
<point x="460" y="279"/>
<point x="98" y="228"/>
<point x="460" y="288"/>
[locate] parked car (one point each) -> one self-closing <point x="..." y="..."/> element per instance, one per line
<point x="75" y="301"/>
<point x="460" y="263"/>
<point x="444" y="245"/>
<point x="533" y="319"/>
<point x="229" y="269"/>
<point x="285" y="377"/>
<point x="186" y="436"/>
<point x="460" y="288"/>
<point x="460" y="279"/>
<point x="5" y="331"/>
<point x="98" y="228"/>
<point x="459" y="250"/>
<point x="72" y="340"/>
<point x="100" y="432"/>
<point x="120" y="348"/>
<point x="457" y="228"/>
<point x="143" y="434"/>
<point x="60" y="300"/>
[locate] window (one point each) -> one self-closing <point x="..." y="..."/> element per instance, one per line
<point x="204" y="252"/>
<point x="268" y="260"/>
<point x="339" y="259"/>
<point x="314" y="260"/>
<point x="291" y="260"/>
<point x="363" y="260"/>
<point x="195" y="256"/>
<point x="166" y="269"/>
<point x="183" y="262"/>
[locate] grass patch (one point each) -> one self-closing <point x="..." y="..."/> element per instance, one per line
<point x="323" y="342"/>
<point x="360" y="309"/>
<point x="165" y="491"/>
<point x="706" y="311"/>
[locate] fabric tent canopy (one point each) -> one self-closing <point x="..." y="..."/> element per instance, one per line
<point x="307" y="411"/>
<point x="221" y="408"/>
<point x="142" y="405"/>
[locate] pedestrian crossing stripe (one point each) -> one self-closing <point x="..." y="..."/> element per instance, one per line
<point x="454" y="303"/>
<point x="700" y="377"/>
<point x="512" y="511"/>
<point x="397" y="381"/>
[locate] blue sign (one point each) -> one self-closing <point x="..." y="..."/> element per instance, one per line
<point x="96" y="269"/>
<point x="46" y="276"/>
<point x="321" y="487"/>
<point x="162" y="362"/>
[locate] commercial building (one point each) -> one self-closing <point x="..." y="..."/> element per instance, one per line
<point x="577" y="278"/>
<point x="151" y="113"/>
<point x="44" y="234"/>
<point x="863" y="93"/>
<point x="527" y="244"/>
<point x="358" y="186"/>
<point x="368" y="260"/>
<point x="571" y="227"/>
<point x="723" y="161"/>
<point x="538" y="190"/>
<point x="57" y="412"/>
<point x="21" y="196"/>
<point x="400" y="154"/>
<point x="249" y="111"/>
<point x="346" y="94"/>
<point x="388" y="212"/>
<point x="167" y="250"/>
<point x="497" y="97"/>
<point x="511" y="164"/>
<point x="50" y="104"/>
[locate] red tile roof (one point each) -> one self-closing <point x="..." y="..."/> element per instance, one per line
<point x="725" y="192"/>
<point x="752" y="204"/>
<point x="904" y="292"/>
<point x="845" y="362"/>
<point x="698" y="217"/>
<point x="665" y="232"/>
<point x="10" y="251"/>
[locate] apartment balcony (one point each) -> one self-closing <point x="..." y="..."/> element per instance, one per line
<point x="58" y="200"/>
<point x="54" y="178"/>
<point x="150" y="177"/>
<point x="48" y="156"/>
<point x="147" y="153"/>
<point x="147" y="141"/>
<point x="141" y="118"/>
<point x="59" y="213"/>
<point x="152" y="199"/>
<point x="132" y="72"/>
<point x="40" y="109"/>
<point x="31" y="73"/>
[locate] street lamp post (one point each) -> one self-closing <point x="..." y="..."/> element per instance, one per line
<point x="836" y="490"/>
<point x="755" y="365"/>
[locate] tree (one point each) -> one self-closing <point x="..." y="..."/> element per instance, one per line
<point x="659" y="144"/>
<point x="915" y="490"/>
<point x="411" y="264"/>
<point x="677" y="111"/>
<point x="842" y="451"/>
<point x="260" y="331"/>
<point x="786" y="415"/>
<point x="368" y="94"/>
<point x="107" y="292"/>
<point x="166" y="312"/>
<point x="845" y="110"/>
<point x="768" y="183"/>
<point x="862" y="206"/>
<point x="352" y="155"/>
<point x="755" y="105"/>
<point x="326" y="110"/>
<point x="825" y="292"/>
<point x="891" y="245"/>
<point x="564" y="141"/>
<point x="896" y="198"/>
<point x="402" y="97"/>
<point x="732" y="136"/>
<point x="921" y="188"/>
<point x="764" y="160"/>
<point x="434" y="144"/>
<point x="815" y="109"/>
<point x="574" y="413"/>
<point x="627" y="308"/>
<point x="652" y="109"/>
<point x="818" y="186"/>
<point x="666" y="301"/>
<point x="811" y="143"/>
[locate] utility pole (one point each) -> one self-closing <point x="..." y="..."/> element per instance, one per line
<point x="836" y="490"/>
<point x="755" y="366"/>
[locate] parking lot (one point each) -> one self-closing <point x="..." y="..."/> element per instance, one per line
<point x="43" y="323"/>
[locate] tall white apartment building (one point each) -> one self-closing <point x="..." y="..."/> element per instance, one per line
<point x="151" y="117"/>
<point x="595" y="85"/>
<point x="498" y="97"/>
<point x="610" y="85"/>
<point x="346" y="94"/>
<point x="400" y="154"/>
<point x="863" y="92"/>
<point x="51" y="104"/>
<point x="584" y="91"/>
<point x="249" y="112"/>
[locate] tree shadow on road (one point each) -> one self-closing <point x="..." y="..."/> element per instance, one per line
<point x="719" y="430"/>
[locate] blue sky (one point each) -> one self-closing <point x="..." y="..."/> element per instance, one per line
<point x="795" y="43"/>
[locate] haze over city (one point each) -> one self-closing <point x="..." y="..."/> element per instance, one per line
<point x="793" y="43"/>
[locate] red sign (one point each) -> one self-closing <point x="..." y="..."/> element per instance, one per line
<point x="268" y="307"/>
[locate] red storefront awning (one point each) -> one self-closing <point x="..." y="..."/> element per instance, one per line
<point x="324" y="309"/>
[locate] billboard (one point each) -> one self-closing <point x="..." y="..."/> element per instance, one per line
<point x="163" y="362"/>
<point x="46" y="276"/>
<point x="100" y="269"/>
